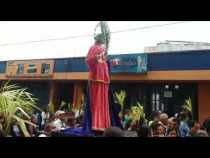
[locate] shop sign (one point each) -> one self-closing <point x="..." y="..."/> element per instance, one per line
<point x="128" y="63"/>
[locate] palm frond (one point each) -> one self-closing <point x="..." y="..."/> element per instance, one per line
<point x="14" y="99"/>
<point x="51" y="107"/>
<point x="188" y="104"/>
<point x="120" y="98"/>
<point x="137" y="112"/>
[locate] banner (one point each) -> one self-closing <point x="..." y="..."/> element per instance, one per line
<point x="128" y="63"/>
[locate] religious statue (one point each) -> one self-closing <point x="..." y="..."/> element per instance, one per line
<point x="99" y="79"/>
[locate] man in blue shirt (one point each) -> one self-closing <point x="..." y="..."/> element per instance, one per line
<point x="183" y="125"/>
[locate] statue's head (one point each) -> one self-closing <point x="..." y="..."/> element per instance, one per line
<point x="99" y="38"/>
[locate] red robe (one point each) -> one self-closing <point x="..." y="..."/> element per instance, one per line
<point x="98" y="85"/>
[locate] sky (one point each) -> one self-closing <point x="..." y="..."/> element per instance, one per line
<point x="121" y="43"/>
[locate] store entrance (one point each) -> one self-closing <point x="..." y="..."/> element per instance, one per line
<point x="170" y="97"/>
<point x="166" y="97"/>
<point x="65" y="92"/>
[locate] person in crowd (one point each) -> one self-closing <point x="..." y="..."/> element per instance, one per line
<point x="172" y="125"/>
<point x="79" y="121"/>
<point x="133" y="126"/>
<point x="201" y="133"/>
<point x="49" y="129"/>
<point x="121" y="117"/>
<point x="194" y="127"/>
<point x="39" y="120"/>
<point x="32" y="129"/>
<point x="164" y="119"/>
<point x="157" y="129"/>
<point x="16" y="130"/>
<point x="58" y="122"/>
<point x="127" y="119"/>
<point x="71" y="122"/>
<point x="52" y="117"/>
<point x="113" y="132"/>
<point x="144" y="131"/>
<point x="172" y="133"/>
<point x="206" y="125"/>
<point x="45" y="115"/>
<point x="42" y="135"/>
<point x="183" y="127"/>
<point x="155" y="116"/>
<point x="43" y="119"/>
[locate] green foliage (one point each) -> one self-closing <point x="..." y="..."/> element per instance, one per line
<point x="104" y="35"/>
<point x="137" y="112"/>
<point x="120" y="98"/>
<point x="188" y="104"/>
<point x="69" y="107"/>
<point x="51" y="107"/>
<point x="63" y="103"/>
<point x="16" y="104"/>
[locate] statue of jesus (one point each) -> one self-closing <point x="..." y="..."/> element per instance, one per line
<point x="98" y="81"/>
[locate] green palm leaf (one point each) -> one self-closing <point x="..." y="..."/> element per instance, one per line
<point x="120" y="98"/>
<point x="14" y="99"/>
<point x="188" y="104"/>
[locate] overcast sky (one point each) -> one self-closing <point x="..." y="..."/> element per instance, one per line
<point x="124" y="42"/>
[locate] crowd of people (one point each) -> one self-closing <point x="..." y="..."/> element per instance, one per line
<point x="158" y="125"/>
<point x="52" y="124"/>
<point x="161" y="125"/>
<point x="43" y="124"/>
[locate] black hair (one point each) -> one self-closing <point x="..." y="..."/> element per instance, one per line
<point x="183" y="109"/>
<point x="126" y="111"/>
<point x="191" y="123"/>
<point x="71" y="121"/>
<point x="155" y="114"/>
<point x="80" y="119"/>
<point x="144" y="131"/>
<point x="206" y="125"/>
<point x="155" y="125"/>
<point x="113" y="132"/>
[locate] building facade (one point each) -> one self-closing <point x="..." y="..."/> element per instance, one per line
<point x="167" y="46"/>
<point x="159" y="81"/>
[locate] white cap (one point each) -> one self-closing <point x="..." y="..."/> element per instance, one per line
<point x="42" y="135"/>
<point x="59" y="112"/>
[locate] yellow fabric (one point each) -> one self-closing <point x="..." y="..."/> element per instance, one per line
<point x="78" y="96"/>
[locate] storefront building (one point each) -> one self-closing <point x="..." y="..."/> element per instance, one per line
<point x="159" y="81"/>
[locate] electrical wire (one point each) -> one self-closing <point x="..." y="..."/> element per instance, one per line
<point x="88" y="35"/>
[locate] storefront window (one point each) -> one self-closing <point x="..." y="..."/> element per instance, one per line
<point x="157" y="98"/>
<point x="45" y="68"/>
<point x="32" y="68"/>
<point x="20" y="69"/>
<point x="156" y="102"/>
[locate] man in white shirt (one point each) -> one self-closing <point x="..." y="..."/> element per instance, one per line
<point x="58" y="123"/>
